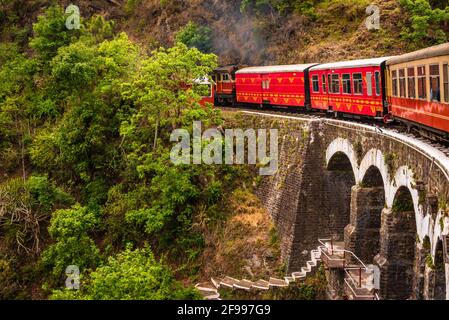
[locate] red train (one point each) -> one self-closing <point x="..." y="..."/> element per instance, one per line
<point x="412" y="88"/>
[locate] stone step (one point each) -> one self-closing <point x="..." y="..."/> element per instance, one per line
<point x="277" y="283"/>
<point x="228" y="282"/>
<point x="261" y="284"/>
<point x="298" y="275"/>
<point x="244" y="285"/>
<point x="289" y="279"/>
<point x="215" y="282"/>
<point x="207" y="295"/>
<point x="207" y="287"/>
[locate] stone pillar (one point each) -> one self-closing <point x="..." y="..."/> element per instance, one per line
<point x="420" y="267"/>
<point x="434" y="284"/>
<point x="363" y="233"/>
<point x="335" y="284"/>
<point x="397" y="252"/>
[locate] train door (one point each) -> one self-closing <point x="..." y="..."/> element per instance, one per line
<point x="325" y="87"/>
<point x="330" y="105"/>
<point x="266" y="80"/>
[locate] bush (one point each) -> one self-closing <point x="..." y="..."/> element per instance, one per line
<point x="73" y="246"/>
<point x="195" y="36"/>
<point x="425" y="25"/>
<point x="131" y="275"/>
<point x="25" y="207"/>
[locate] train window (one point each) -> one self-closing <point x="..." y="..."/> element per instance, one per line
<point x="402" y="83"/>
<point x="394" y="77"/>
<point x="435" y="93"/>
<point x="225" y="77"/>
<point x="422" y="87"/>
<point x="411" y="83"/>
<point x="377" y="78"/>
<point x="446" y="82"/>
<point x="316" y="84"/>
<point x="369" y="83"/>
<point x="324" y="83"/>
<point x="358" y="83"/>
<point x="335" y="83"/>
<point x="329" y="83"/>
<point x="347" y="83"/>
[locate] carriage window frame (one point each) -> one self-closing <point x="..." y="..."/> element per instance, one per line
<point x="438" y="82"/>
<point x="394" y="83"/>
<point x="422" y="79"/>
<point x="315" y="83"/>
<point x="329" y="83"/>
<point x="411" y="83"/>
<point x="228" y="76"/>
<point x="377" y="81"/>
<point x="357" y="83"/>
<point x="402" y="83"/>
<point x="346" y="83"/>
<point x="323" y="85"/>
<point x="446" y="82"/>
<point x="336" y="82"/>
<point x="369" y="84"/>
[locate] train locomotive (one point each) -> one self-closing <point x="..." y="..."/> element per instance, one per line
<point x="412" y="89"/>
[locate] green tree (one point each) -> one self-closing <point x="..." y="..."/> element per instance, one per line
<point x="73" y="245"/>
<point x="425" y="23"/>
<point x="131" y="275"/>
<point x="50" y="33"/>
<point x="195" y="36"/>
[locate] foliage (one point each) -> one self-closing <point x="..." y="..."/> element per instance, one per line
<point x="25" y="206"/>
<point x="195" y="36"/>
<point x="427" y="25"/>
<point x="73" y="246"/>
<point x="88" y="112"/>
<point x="50" y="33"/>
<point x="131" y="275"/>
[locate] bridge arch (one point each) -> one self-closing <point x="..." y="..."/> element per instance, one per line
<point x="374" y="158"/>
<point x="340" y="178"/>
<point x="343" y="146"/>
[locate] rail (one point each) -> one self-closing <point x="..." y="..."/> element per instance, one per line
<point x="323" y="245"/>
<point x="349" y="280"/>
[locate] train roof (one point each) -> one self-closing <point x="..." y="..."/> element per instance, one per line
<point x="276" y="69"/>
<point x="351" y="64"/>
<point x="435" y="51"/>
<point x="230" y="68"/>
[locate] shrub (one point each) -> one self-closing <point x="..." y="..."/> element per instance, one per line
<point x="73" y="246"/>
<point x="194" y="35"/>
<point x="131" y="275"/>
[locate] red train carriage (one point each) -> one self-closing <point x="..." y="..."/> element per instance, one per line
<point x="418" y="89"/>
<point x="224" y="78"/>
<point x="350" y="87"/>
<point x="273" y="85"/>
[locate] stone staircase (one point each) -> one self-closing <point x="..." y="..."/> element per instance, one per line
<point x="210" y="289"/>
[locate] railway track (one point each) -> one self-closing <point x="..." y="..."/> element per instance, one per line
<point x="394" y="127"/>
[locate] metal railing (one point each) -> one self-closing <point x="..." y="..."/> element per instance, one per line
<point x="352" y="283"/>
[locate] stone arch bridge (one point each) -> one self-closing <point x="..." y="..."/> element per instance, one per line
<point x="383" y="193"/>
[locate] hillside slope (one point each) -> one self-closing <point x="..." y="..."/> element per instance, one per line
<point x="326" y="31"/>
